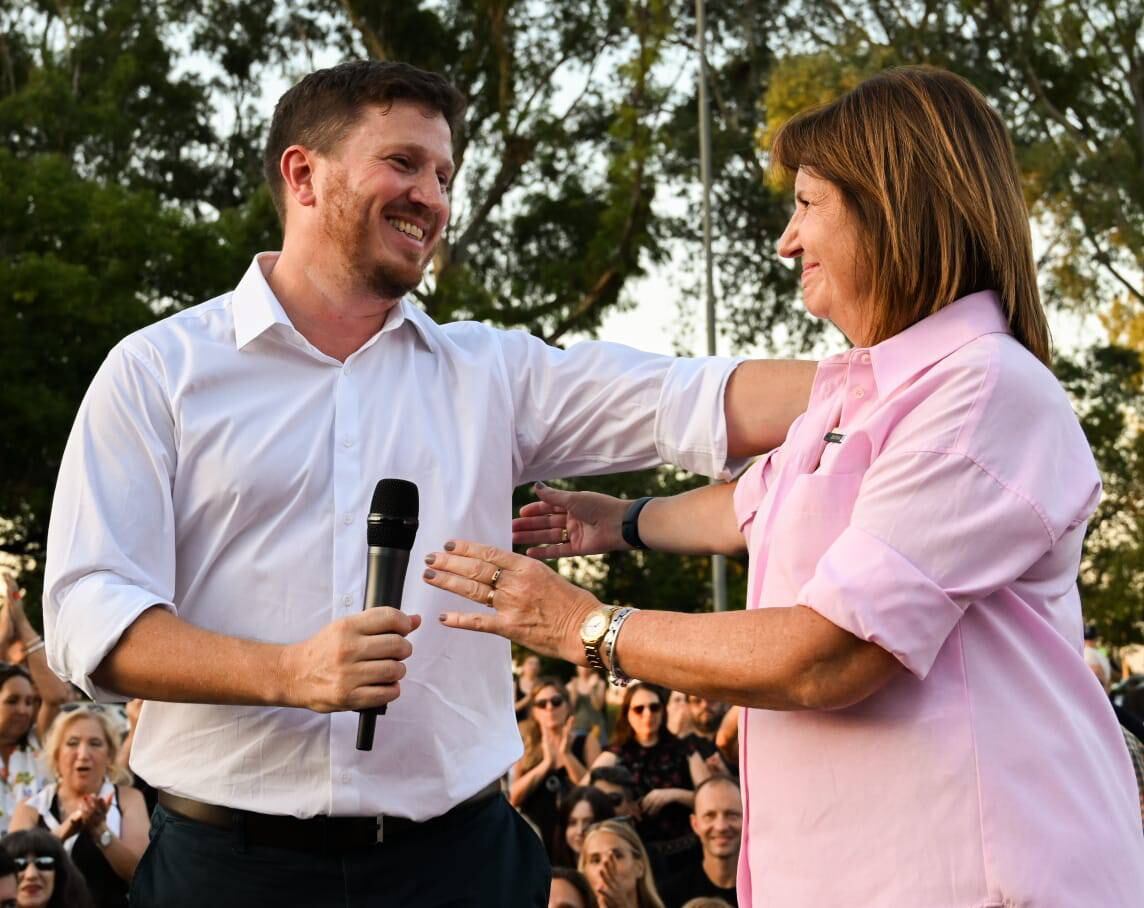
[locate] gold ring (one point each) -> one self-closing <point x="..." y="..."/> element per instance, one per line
<point x="496" y="577"/>
<point x="564" y="534"/>
<point x="489" y="598"/>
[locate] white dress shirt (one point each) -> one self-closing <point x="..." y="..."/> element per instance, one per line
<point x="222" y="466"/>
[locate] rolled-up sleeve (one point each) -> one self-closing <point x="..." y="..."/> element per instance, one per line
<point x="930" y="534"/>
<point x="601" y="407"/>
<point x="111" y="552"/>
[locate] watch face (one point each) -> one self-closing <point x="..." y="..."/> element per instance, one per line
<point x="594" y="626"/>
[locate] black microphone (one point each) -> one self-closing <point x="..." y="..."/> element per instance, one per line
<point x="390" y="530"/>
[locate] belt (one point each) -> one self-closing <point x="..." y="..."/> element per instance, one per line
<point x="322" y="833"/>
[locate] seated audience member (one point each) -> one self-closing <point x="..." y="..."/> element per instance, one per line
<point x="579" y="809"/>
<point x="21" y="644"/>
<point x="22" y="773"/>
<point x="46" y="876"/>
<point x="705" y="718"/>
<point x="665" y="773"/>
<point x="102" y="825"/>
<point x="618" y="784"/>
<point x="550" y="766"/>
<point x="569" y="890"/>
<point x="616" y="865"/>
<point x="588" y="691"/>
<point x="8" y="873"/>
<point x="718" y="822"/>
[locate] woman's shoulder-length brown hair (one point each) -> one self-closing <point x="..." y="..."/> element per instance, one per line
<point x="927" y="168"/>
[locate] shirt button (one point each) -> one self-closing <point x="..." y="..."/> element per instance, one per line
<point x="348" y="442"/>
<point x="859" y="392"/>
<point x="346" y="370"/>
<point x="348" y="519"/>
<point x="347" y="601"/>
<point x="346" y="776"/>
<point x="865" y="357"/>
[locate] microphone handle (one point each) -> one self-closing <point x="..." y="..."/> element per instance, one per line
<point x="384" y="583"/>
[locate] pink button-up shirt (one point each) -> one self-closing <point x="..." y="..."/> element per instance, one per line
<point x="945" y="526"/>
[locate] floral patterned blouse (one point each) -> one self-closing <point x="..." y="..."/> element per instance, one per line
<point x="665" y="765"/>
<point x="20" y="779"/>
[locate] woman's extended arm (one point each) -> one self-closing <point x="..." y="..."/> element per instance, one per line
<point x="773" y="658"/>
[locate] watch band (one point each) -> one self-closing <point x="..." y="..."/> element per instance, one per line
<point x="616" y="674"/>
<point x="630" y="527"/>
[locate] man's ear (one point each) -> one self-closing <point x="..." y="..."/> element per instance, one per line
<point x="297" y="168"/>
<point x="694" y="823"/>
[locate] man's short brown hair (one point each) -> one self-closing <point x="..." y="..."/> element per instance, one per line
<point x="319" y="111"/>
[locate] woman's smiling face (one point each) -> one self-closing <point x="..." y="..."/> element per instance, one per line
<point x="823" y="233"/>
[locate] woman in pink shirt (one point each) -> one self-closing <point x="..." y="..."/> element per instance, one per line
<point x="920" y="726"/>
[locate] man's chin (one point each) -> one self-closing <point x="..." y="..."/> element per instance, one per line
<point x="393" y="283"/>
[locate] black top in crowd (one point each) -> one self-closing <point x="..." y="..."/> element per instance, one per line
<point x="392" y="519"/>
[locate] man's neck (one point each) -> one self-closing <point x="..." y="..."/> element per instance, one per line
<point x="721" y="871"/>
<point x="334" y="318"/>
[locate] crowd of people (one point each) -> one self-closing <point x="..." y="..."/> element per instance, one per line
<point x="645" y="814"/>
<point x="74" y="825"/>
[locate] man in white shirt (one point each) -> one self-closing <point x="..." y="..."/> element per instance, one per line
<point x="207" y="552"/>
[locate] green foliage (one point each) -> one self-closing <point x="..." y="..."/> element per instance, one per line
<point x="1107" y="385"/>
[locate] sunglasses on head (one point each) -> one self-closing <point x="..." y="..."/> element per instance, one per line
<point x="42" y="862"/>
<point x="652" y="708"/>
<point x="79" y="704"/>
<point x="554" y="701"/>
<point x="616" y="797"/>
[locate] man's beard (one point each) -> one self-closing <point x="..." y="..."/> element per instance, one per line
<point x="349" y="227"/>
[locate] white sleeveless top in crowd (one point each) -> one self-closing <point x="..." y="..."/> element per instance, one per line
<point x="42" y="802"/>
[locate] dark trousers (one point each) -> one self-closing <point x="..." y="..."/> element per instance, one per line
<point x="491" y="859"/>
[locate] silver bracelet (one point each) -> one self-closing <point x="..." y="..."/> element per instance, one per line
<point x="616" y="674"/>
<point x="34" y="648"/>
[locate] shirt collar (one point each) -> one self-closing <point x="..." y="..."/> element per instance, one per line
<point x="899" y="358"/>
<point x="256" y="309"/>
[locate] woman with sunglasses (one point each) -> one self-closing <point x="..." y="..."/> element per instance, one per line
<point x="46" y="876"/>
<point x="666" y="772"/>
<point x="579" y="809"/>
<point x="554" y="758"/>
<point x="102" y="825"/>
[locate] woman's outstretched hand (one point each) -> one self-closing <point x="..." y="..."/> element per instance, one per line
<point x="530" y="603"/>
<point x="561" y="523"/>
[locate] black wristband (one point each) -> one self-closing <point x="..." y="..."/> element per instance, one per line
<point x="630" y="528"/>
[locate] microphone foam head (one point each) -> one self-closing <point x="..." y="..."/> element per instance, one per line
<point x="393" y="514"/>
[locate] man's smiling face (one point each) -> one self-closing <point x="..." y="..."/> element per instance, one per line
<point x="383" y="196"/>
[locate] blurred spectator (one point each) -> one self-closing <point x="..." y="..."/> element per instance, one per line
<point x="569" y="890"/>
<point x="46" y="878"/>
<point x="21" y="644"/>
<point x="619" y="785"/>
<point x="678" y="717"/>
<point x="523" y="685"/>
<point x="665" y="773"/>
<point x="8" y="873"/>
<point x="23" y="773"/>
<point x="616" y="865"/>
<point x="705" y="718"/>
<point x="579" y="809"/>
<point x="707" y="901"/>
<point x="718" y="822"/>
<point x="550" y="765"/>
<point x="103" y="826"/>
<point x="588" y="691"/>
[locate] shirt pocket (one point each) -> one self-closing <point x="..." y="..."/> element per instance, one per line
<point x="811" y="516"/>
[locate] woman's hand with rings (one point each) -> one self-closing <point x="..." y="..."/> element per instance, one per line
<point x="569" y="523"/>
<point x="531" y="604"/>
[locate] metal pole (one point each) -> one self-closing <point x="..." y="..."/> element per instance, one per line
<point x="718" y="562"/>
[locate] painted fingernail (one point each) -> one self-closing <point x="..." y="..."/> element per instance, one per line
<point x="429" y="574"/>
<point x="450" y="545"/>
<point x="442" y="617"/>
<point x="430" y="558"/>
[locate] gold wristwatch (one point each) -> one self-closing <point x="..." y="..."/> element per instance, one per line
<point x="593" y="631"/>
